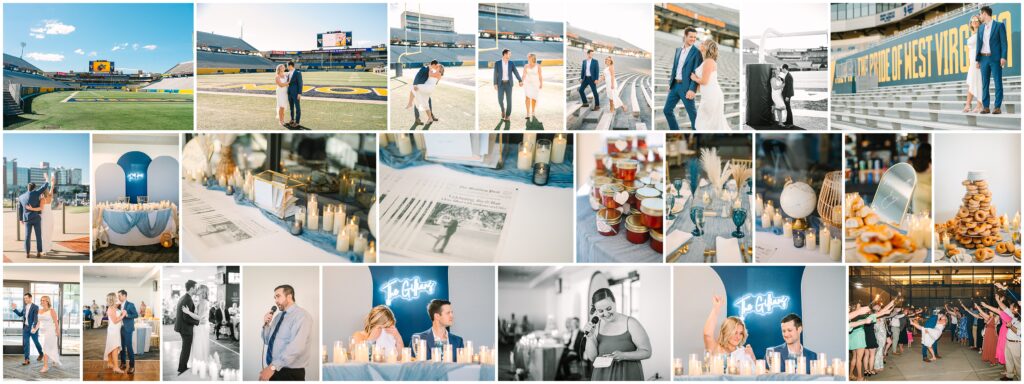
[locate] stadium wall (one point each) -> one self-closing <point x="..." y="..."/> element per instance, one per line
<point x="937" y="53"/>
<point x="520" y="63"/>
<point x="181" y="91"/>
<point x="468" y="63"/>
<point x="216" y="71"/>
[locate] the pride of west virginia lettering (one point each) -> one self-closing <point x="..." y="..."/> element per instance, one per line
<point x="936" y="53"/>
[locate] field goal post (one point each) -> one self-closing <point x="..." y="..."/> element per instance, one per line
<point x="496" y="33"/>
<point x="419" y="40"/>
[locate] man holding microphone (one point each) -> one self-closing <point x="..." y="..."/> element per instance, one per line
<point x="287" y="338"/>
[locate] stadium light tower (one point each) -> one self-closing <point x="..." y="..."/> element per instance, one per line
<point x="22" y="50"/>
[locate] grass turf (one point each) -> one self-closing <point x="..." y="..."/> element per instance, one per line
<point x="49" y="112"/>
<point x="233" y="111"/>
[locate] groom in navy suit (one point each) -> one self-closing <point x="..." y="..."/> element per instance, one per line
<point x="504" y="69"/>
<point x="590" y="71"/>
<point x="28" y="213"/>
<point x="127" y="330"/>
<point x="30" y="313"/>
<point x="991" y="58"/>
<point x="442" y="317"/>
<point x="421" y="78"/>
<point x="681" y="87"/>
<point x="294" y="93"/>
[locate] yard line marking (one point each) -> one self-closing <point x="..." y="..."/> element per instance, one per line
<point x="70" y="97"/>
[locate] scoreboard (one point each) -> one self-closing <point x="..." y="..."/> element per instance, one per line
<point x="334" y="40"/>
<point x="101" y="66"/>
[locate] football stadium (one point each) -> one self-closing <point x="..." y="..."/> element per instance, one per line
<point x="719" y="23"/>
<point x="904" y="66"/>
<point x="633" y="73"/>
<point x="99" y="98"/>
<point x="419" y="38"/>
<point x="510" y="26"/>
<point x="343" y="87"/>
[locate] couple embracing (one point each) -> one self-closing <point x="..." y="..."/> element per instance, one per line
<point x="119" y="352"/>
<point x="288" y="94"/>
<point x="695" y="69"/>
<point x="34" y="212"/>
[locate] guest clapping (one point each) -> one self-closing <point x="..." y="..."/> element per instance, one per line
<point x="732" y="334"/>
<point x="379" y="329"/>
<point x="287" y="337"/>
<point x="616" y="336"/>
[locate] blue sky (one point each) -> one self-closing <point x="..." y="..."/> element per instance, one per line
<point x="292" y="27"/>
<point x="63" y="37"/>
<point x="69" y="150"/>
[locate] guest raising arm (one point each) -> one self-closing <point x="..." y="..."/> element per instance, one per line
<point x="731" y="335"/>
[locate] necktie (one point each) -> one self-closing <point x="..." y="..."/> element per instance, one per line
<point x="270" y="344"/>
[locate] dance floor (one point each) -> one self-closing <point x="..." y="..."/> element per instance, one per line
<point x="957" y="363"/>
<point x="147" y="365"/>
<point x="69" y="371"/>
<point x="225" y="347"/>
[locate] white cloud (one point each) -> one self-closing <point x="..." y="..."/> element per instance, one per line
<point x="80" y="51"/>
<point x="135" y="46"/>
<point x="119" y="47"/>
<point x="51" y="27"/>
<point x="38" y="56"/>
<point x="92" y="54"/>
<point x="149" y="47"/>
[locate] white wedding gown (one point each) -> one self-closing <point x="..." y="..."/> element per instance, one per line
<point x="711" y="111"/>
<point x="423" y="92"/>
<point x="974" y="85"/>
<point x="612" y="92"/>
<point x="281" y="93"/>
<point x="46" y="224"/>
<point x="113" y="335"/>
<point x="201" y="334"/>
<point x="531" y="83"/>
<point x="48" y="337"/>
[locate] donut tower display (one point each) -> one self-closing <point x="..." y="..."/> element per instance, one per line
<point x="977" y="223"/>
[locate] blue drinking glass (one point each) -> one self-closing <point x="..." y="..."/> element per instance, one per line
<point x="697" y="217"/>
<point x="678" y="183"/>
<point x="670" y="202"/>
<point x="739" y="216"/>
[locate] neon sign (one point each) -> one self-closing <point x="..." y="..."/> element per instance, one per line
<point x="761" y="303"/>
<point x="407" y="289"/>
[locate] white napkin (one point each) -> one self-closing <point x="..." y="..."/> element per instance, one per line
<point x="678" y="238"/>
<point x="728" y="250"/>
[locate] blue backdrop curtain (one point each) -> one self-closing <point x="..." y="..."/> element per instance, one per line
<point x="136" y="168"/>
<point x="409" y="289"/>
<point x="762" y="296"/>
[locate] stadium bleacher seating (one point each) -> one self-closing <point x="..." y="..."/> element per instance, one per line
<point x="209" y="59"/>
<point x="17" y="62"/>
<point x="545" y="50"/>
<point x="520" y="25"/>
<point x="447" y="56"/>
<point x="31" y="80"/>
<point x="431" y="36"/>
<point x="181" y="69"/>
<point x="634" y="76"/>
<point x="937" y="106"/>
<point x="206" y="39"/>
<point x="728" y="78"/>
<point x="597" y="37"/>
<point x="172" y="83"/>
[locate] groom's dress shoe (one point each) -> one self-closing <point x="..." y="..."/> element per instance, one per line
<point x="40" y="358"/>
<point x="997" y="111"/>
<point x="123" y="366"/>
<point x="418" y="122"/>
<point x="26" y="362"/>
<point x="985" y="111"/>
<point x="131" y="371"/>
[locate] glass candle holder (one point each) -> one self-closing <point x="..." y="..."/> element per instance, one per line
<point x="542" y="154"/>
<point x="541" y="173"/>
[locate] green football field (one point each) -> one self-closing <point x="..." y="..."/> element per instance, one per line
<point x="341" y="100"/>
<point x="106" y="110"/>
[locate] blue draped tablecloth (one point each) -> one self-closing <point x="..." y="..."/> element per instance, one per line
<point x="766" y="377"/>
<point x="593" y="247"/>
<point x="414" y="371"/>
<point x="714" y="227"/>
<point x="321" y="239"/>
<point x="560" y="175"/>
<point x="122" y="222"/>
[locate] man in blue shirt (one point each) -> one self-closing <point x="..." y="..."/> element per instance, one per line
<point x="287" y="338"/>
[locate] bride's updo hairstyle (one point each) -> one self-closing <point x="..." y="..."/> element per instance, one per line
<point x="710" y="50"/>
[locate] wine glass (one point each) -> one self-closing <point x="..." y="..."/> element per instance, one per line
<point x="739" y="216"/>
<point x="750" y="186"/>
<point x="415" y="340"/>
<point x="678" y="183"/>
<point x="670" y="201"/>
<point x="697" y="217"/>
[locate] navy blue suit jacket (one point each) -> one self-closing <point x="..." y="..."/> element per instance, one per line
<point x="595" y="69"/>
<point x="31" y="198"/>
<point x="32" y="313"/>
<point x="511" y="72"/>
<point x="421" y="76"/>
<point x="128" y="323"/>
<point x="690" y="63"/>
<point x="996" y="41"/>
<point x="453" y="339"/>
<point x="295" y="83"/>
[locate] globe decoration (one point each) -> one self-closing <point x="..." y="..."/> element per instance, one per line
<point x="798" y="200"/>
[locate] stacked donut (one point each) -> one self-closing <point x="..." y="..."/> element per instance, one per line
<point x="977" y="224"/>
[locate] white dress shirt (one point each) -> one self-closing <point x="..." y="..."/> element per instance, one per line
<point x="682" y="60"/>
<point x="586" y="66"/>
<point x="504" y="70"/>
<point x="984" y="40"/>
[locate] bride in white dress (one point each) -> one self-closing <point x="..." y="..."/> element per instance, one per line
<point x="46" y="216"/>
<point x="201" y="333"/>
<point x="281" y="92"/>
<point x="974" y="86"/>
<point x="532" y="84"/>
<point x="420" y="94"/>
<point x="711" y="112"/>
<point x="113" y="345"/>
<point x="47" y="328"/>
<point x="612" y="89"/>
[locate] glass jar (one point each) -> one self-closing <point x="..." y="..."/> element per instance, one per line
<point x="631" y="187"/>
<point x="625" y="169"/>
<point x="608" y="220"/>
<point x="608" y="192"/>
<point x="599" y="163"/>
<point x="636" y="232"/>
<point x="652" y="210"/>
<point x="656" y="240"/>
<point x="644" y="193"/>
<point x="599" y="181"/>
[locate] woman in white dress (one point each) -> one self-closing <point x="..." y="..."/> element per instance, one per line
<point x="612" y="89"/>
<point x="732" y="334"/>
<point x="778" y="104"/>
<point x="711" y="112"/>
<point x="113" y="345"/>
<point x="974" y="86"/>
<point x="532" y="84"/>
<point x="420" y="94"/>
<point x="379" y="329"/>
<point x="281" y="92"/>
<point x="201" y="333"/>
<point x="46" y="215"/>
<point x="48" y="327"/>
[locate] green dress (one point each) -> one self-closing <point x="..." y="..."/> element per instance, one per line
<point x="857" y="339"/>
<point x="621" y="370"/>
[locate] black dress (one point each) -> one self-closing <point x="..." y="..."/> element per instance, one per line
<point x="869" y="336"/>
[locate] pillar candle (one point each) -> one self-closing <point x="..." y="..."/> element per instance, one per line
<point x="353" y="229"/>
<point x="328" y="217"/>
<point x="777" y="220"/>
<point x="448" y="357"/>
<point x="404" y="144"/>
<point x="542" y="155"/>
<point x="758" y="205"/>
<point x="812" y="240"/>
<point x="766" y="219"/>
<point x="339" y="219"/>
<point x="312" y="213"/>
<point x="530" y="139"/>
<point x="342" y="241"/>
<point x="421" y="141"/>
<point x="826" y="240"/>
<point x="383" y="140"/>
<point x="558" y="149"/>
<point x="406" y="354"/>
<point x="391" y="356"/>
<point x="371" y="254"/>
<point x="787" y="229"/>
<point x="801" y="365"/>
<point x="339" y="353"/>
<point x="359" y="246"/>
<point x="525" y="160"/>
<point x="836" y="249"/>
